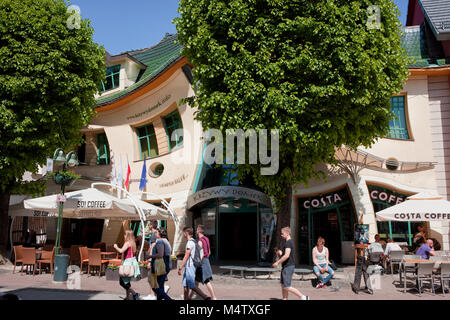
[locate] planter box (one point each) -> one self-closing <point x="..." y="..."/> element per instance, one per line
<point x="174" y="264"/>
<point x="112" y="275"/>
<point x="144" y="272"/>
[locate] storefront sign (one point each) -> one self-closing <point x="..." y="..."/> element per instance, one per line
<point x="91" y="204"/>
<point x="174" y="182"/>
<point x="386" y="196"/>
<point x="322" y="202"/>
<point x="44" y="214"/>
<point x="150" y="109"/>
<point x="227" y="192"/>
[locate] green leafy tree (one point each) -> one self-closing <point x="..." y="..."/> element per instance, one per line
<point x="320" y="71"/>
<point x="50" y="69"/>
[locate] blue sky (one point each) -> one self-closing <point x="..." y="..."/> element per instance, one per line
<point x="135" y="24"/>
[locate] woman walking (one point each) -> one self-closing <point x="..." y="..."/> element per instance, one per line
<point x="321" y="260"/>
<point x="160" y="263"/>
<point x="129" y="259"/>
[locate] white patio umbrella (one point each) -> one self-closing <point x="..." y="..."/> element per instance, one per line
<point x="86" y="203"/>
<point x="420" y="207"/>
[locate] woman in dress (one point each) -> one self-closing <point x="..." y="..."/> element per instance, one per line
<point x="128" y="252"/>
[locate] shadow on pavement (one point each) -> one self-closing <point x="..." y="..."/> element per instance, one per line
<point x="54" y="294"/>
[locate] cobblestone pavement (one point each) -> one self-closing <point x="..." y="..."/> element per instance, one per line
<point x="41" y="287"/>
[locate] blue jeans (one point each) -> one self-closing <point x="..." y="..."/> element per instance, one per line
<point x="160" y="292"/>
<point x="319" y="274"/>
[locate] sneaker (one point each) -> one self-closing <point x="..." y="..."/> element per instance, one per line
<point x="149" y="297"/>
<point x="319" y="285"/>
<point x="324" y="286"/>
<point x="166" y="289"/>
<point x="305" y="298"/>
<point x="136" y="296"/>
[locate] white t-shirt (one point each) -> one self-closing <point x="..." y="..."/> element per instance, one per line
<point x="190" y="245"/>
<point x="376" y="247"/>
<point x="391" y="246"/>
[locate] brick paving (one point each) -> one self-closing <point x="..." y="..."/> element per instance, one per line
<point x="41" y="287"/>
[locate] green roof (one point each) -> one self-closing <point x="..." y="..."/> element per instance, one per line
<point x="157" y="59"/>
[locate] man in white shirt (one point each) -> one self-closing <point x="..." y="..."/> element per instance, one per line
<point x="391" y="246"/>
<point x="376" y="246"/>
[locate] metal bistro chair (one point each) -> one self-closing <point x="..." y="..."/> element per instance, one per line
<point x="95" y="260"/>
<point x="406" y="268"/>
<point x="425" y="272"/>
<point x="445" y="275"/>
<point x="395" y="258"/>
<point x="29" y="258"/>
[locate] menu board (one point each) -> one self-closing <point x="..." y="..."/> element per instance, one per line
<point x="361" y="233"/>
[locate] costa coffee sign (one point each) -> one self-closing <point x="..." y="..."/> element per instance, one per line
<point x="323" y="201"/>
<point x="386" y="196"/>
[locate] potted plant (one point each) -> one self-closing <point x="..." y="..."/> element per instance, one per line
<point x="112" y="272"/>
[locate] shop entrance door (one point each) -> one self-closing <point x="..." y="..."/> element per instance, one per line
<point x="326" y="225"/>
<point x="238" y="240"/>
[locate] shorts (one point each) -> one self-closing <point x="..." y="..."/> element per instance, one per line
<point x="199" y="276"/>
<point x="286" y="275"/>
<point x="189" y="277"/>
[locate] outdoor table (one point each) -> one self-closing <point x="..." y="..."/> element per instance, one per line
<point x="107" y="253"/>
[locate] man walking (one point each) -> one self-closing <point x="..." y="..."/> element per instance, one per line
<point x="287" y="261"/>
<point x="203" y="274"/>
<point x="188" y="263"/>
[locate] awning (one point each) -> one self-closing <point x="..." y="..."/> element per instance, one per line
<point x="420" y="207"/>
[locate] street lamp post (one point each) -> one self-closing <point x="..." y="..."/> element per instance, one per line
<point x="60" y="159"/>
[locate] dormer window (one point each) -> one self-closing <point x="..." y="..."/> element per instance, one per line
<point x="112" y="78"/>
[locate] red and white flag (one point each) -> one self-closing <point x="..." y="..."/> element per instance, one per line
<point x="127" y="182"/>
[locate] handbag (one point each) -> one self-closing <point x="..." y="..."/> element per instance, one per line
<point x="160" y="267"/>
<point x="333" y="265"/>
<point x="126" y="271"/>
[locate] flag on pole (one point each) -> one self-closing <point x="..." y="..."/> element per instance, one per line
<point x="127" y="182"/>
<point x="120" y="178"/>
<point x="113" y="175"/>
<point x="143" y="175"/>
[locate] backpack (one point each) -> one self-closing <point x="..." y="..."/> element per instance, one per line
<point x="197" y="259"/>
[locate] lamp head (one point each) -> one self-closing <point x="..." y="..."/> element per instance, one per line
<point x="59" y="157"/>
<point x="73" y="159"/>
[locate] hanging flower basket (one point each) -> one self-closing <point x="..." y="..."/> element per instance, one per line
<point x="66" y="178"/>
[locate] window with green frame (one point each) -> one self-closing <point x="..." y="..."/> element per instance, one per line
<point x="112" y="78"/>
<point x="148" y="146"/>
<point x="102" y="149"/>
<point x="171" y="123"/>
<point x="398" y="127"/>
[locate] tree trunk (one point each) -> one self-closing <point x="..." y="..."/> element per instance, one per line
<point x="283" y="220"/>
<point x="4" y="223"/>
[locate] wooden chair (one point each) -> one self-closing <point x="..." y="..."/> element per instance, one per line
<point x="84" y="256"/>
<point x="95" y="260"/>
<point x="47" y="257"/>
<point x="74" y="254"/>
<point x="17" y="256"/>
<point x="29" y="258"/>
